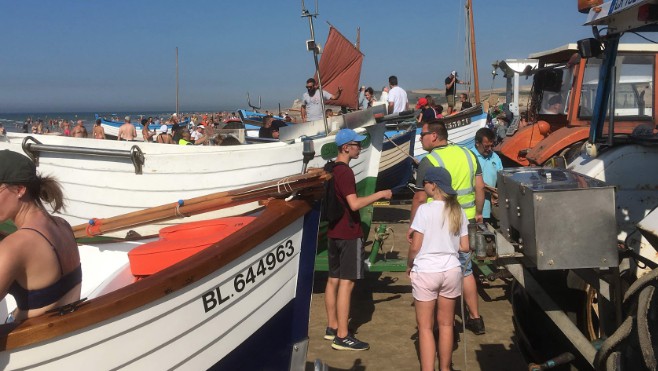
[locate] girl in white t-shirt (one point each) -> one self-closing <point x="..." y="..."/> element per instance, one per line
<point x="440" y="228"/>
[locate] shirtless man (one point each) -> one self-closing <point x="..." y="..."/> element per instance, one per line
<point x="79" y="131"/>
<point x="98" y="131"/>
<point x="127" y="131"/>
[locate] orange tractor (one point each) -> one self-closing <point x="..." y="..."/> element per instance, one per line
<point x="562" y="99"/>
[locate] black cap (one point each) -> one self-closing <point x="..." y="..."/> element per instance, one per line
<point x="16" y="168"/>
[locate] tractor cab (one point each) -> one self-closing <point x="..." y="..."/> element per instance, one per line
<point x="562" y="99"/>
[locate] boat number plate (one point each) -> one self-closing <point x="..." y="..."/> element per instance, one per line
<point x="457" y="124"/>
<point x="246" y="279"/>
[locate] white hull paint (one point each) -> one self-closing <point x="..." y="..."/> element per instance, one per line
<point x="393" y="155"/>
<point x="177" y="331"/>
<point x="463" y="135"/>
<point x="96" y="187"/>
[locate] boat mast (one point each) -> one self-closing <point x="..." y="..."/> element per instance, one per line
<point x="358" y="38"/>
<point x="311" y="45"/>
<point x="476" y="84"/>
<point x="177" y="114"/>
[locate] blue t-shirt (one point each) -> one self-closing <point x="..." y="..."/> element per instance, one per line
<point x="490" y="166"/>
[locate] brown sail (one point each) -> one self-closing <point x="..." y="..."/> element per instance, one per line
<point x="340" y="65"/>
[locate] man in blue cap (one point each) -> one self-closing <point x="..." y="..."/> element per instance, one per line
<point x="346" y="263"/>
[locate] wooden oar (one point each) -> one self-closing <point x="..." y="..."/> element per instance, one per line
<point x="203" y="204"/>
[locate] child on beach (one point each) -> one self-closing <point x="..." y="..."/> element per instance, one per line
<point x="433" y="265"/>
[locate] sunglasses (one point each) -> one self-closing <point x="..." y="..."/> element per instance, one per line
<point x="310" y="87"/>
<point x="426" y="182"/>
<point x="422" y="134"/>
<point x="354" y="144"/>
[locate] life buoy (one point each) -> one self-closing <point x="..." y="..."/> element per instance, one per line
<point x="179" y="242"/>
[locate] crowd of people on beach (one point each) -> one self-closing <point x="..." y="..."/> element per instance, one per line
<point x="194" y="129"/>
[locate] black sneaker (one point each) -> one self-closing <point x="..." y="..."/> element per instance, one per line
<point x="349" y="342"/>
<point x="330" y="333"/>
<point x="476" y="325"/>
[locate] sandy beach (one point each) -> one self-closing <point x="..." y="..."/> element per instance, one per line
<point x="382" y="314"/>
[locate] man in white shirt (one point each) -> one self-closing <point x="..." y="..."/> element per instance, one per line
<point x="311" y="104"/>
<point x="397" y="97"/>
<point x="198" y="133"/>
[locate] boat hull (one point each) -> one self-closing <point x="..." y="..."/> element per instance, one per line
<point x="396" y="165"/>
<point x="215" y="320"/>
<point x="101" y="187"/>
<point x="461" y="129"/>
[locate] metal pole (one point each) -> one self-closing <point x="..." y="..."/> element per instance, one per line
<point x="613" y="103"/>
<point x="516" y="88"/>
<point x="307" y="14"/>
<point x="177" y="117"/>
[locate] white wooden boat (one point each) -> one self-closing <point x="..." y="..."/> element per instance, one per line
<point x="241" y="303"/>
<point x="461" y="126"/>
<point x="396" y="165"/>
<point x="103" y="178"/>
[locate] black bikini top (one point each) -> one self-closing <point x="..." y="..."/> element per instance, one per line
<point x="34" y="299"/>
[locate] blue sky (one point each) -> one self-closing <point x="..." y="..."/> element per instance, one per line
<point x="119" y="55"/>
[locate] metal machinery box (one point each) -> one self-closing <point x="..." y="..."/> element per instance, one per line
<point x="561" y="219"/>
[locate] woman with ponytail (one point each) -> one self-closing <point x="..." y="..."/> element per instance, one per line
<point x="40" y="262"/>
<point x="440" y="228"/>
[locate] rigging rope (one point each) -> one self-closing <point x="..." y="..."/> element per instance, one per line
<point x="467" y="49"/>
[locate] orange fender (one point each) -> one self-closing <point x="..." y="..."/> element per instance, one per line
<point x="556" y="142"/>
<point x="516" y="147"/>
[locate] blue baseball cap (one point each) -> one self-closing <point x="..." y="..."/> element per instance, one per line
<point x="348" y="135"/>
<point x="441" y="177"/>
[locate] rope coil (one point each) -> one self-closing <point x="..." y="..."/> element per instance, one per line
<point x="177" y="211"/>
<point x="285" y="184"/>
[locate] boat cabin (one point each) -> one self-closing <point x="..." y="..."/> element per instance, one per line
<point x="562" y="101"/>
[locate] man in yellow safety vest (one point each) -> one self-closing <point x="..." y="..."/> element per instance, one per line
<point x="467" y="180"/>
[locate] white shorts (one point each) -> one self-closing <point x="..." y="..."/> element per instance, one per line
<point x="427" y="286"/>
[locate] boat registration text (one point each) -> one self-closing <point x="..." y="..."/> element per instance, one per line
<point x="242" y="281"/>
<point x="458" y="123"/>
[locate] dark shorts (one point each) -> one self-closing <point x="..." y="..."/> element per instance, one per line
<point x="346" y="259"/>
<point x="451" y="100"/>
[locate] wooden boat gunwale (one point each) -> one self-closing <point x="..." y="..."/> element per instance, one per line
<point x="276" y="215"/>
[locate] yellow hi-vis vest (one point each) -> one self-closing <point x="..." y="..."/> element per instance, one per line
<point x="454" y="158"/>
